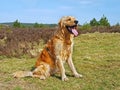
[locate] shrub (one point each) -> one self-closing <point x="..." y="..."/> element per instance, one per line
<point x="36" y="25"/>
<point x="21" y="41"/>
<point x="17" y="24"/>
<point x="85" y="26"/>
<point x="18" y="42"/>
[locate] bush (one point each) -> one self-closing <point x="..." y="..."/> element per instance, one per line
<point x="36" y="25"/>
<point x="18" y="42"/>
<point x="23" y="41"/>
<point x="17" y="24"/>
<point x="85" y="26"/>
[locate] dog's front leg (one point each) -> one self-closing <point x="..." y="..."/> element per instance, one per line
<point x="72" y="67"/>
<point x="62" y="69"/>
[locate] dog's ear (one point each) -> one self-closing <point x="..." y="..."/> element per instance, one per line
<point x="60" y="23"/>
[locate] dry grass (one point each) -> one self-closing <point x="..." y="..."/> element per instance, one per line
<point x="96" y="56"/>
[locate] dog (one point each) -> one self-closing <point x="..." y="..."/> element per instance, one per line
<point x="56" y="52"/>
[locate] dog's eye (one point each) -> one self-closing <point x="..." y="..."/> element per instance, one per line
<point x="69" y="19"/>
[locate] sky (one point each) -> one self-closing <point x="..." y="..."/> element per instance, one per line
<point x="50" y="11"/>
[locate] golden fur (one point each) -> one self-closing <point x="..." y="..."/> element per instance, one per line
<point x="57" y="51"/>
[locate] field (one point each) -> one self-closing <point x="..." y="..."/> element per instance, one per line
<point x="96" y="56"/>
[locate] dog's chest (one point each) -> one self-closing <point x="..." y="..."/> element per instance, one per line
<point x="66" y="51"/>
<point x="63" y="50"/>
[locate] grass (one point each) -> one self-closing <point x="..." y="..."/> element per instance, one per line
<point x="96" y="56"/>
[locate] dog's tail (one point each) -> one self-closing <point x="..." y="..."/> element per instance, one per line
<point x="20" y="74"/>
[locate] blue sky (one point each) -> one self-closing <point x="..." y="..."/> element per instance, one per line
<point x="50" y="11"/>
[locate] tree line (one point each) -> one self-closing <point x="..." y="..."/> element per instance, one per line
<point x="17" y="24"/>
<point x="102" y="22"/>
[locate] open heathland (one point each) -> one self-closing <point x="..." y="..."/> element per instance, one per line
<point x="96" y="56"/>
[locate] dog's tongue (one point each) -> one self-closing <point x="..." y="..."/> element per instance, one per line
<point x="74" y="31"/>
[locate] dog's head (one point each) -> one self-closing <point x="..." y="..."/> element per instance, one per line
<point x="70" y="24"/>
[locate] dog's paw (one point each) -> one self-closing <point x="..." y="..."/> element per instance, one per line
<point x="78" y="75"/>
<point x="42" y="77"/>
<point x="65" y="79"/>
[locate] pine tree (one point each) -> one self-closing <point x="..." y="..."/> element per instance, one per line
<point x="117" y="24"/>
<point x="94" y="22"/>
<point x="17" y="24"/>
<point x="104" y="21"/>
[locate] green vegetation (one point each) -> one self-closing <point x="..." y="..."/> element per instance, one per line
<point x="86" y="26"/>
<point x="94" y="22"/>
<point x="17" y="24"/>
<point x="117" y="24"/>
<point x="104" y="21"/>
<point x="37" y="25"/>
<point x="96" y="56"/>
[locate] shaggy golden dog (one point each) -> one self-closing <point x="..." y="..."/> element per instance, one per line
<point x="57" y="51"/>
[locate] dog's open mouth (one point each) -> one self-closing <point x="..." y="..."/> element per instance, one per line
<point x="73" y="29"/>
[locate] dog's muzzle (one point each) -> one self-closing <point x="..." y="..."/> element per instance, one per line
<point x="73" y="29"/>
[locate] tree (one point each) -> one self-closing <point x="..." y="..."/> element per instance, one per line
<point x="94" y="22"/>
<point x="17" y="24"/>
<point x="36" y="25"/>
<point x="104" y="21"/>
<point x="117" y="24"/>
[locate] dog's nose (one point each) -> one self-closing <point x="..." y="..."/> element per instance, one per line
<point x="76" y="22"/>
